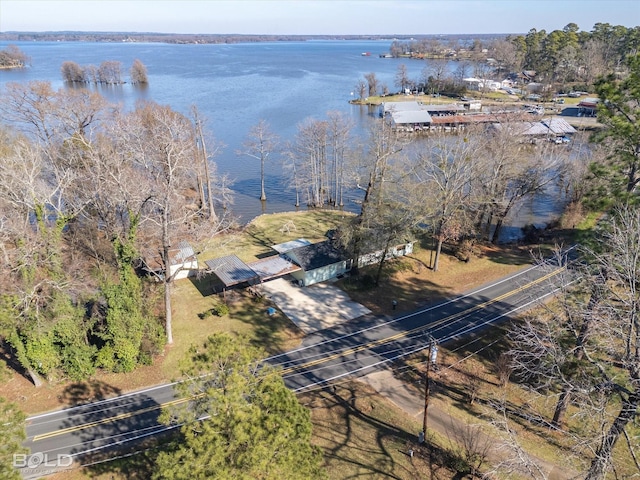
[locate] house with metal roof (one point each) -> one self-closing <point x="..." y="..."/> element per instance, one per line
<point x="319" y="262"/>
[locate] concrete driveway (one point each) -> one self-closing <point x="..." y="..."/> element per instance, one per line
<point x="312" y="308"/>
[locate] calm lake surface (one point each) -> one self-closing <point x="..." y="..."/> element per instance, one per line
<point x="235" y="86"/>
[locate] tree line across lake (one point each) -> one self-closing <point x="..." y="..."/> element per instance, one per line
<point x="559" y="61"/>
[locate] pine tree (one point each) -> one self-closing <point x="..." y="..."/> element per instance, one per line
<point x="242" y="422"/>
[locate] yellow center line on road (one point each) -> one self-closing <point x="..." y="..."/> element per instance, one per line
<point x="349" y="351"/>
<point x="115" y="418"/>
<point x="397" y="336"/>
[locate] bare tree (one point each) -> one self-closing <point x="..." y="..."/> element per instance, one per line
<point x="311" y="160"/>
<point x="29" y="108"/>
<point x="78" y="113"/>
<point x="339" y="130"/>
<point x="34" y="193"/>
<point x="110" y="72"/>
<point x="514" y="458"/>
<point x="402" y="79"/>
<point x="13" y="57"/>
<point x="260" y="143"/>
<point x="509" y="172"/>
<point x="601" y="369"/>
<point x="483" y="71"/>
<point x="618" y="332"/>
<point x="91" y="73"/>
<point x="435" y="72"/>
<point x="361" y="89"/>
<point x="444" y="172"/>
<point x="473" y="444"/>
<point x="39" y="187"/>
<point x="593" y="61"/>
<point x="373" y="84"/>
<point x="393" y="217"/>
<point x="72" y="72"/>
<point x="461" y="72"/>
<point x="138" y="73"/>
<point x="162" y="142"/>
<point x="318" y="159"/>
<point x="506" y="54"/>
<point x="383" y="147"/>
<point x="205" y="180"/>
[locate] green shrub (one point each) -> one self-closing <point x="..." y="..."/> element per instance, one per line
<point x="221" y="310"/>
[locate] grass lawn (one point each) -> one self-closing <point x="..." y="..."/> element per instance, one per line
<point x="412" y="283"/>
<point x="361" y="433"/>
<point x="364" y="435"/>
<point x="191" y="298"/>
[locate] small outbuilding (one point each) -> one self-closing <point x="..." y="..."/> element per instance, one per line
<point x="183" y="261"/>
<point x="588" y="107"/>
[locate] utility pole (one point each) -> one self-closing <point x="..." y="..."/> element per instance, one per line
<point x="433" y="352"/>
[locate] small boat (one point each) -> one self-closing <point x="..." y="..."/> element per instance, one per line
<point x="366" y="54"/>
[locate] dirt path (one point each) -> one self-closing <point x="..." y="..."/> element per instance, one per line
<point x="408" y="399"/>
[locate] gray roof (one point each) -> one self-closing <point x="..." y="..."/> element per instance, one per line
<point x="558" y="125"/>
<point x="401" y="106"/>
<point x="547" y="126"/>
<point x="450" y="107"/>
<point x="231" y="270"/>
<point x="317" y="255"/>
<point x="408" y="112"/>
<point x="183" y="252"/>
<point x="285" y="247"/>
<point x="274" y="266"/>
<point x="411" y="117"/>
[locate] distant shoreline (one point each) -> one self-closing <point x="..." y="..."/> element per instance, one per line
<point x="179" y="38"/>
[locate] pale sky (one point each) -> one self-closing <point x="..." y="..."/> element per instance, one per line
<point x="314" y="17"/>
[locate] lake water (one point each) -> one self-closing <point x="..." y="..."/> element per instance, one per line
<point x="234" y="86"/>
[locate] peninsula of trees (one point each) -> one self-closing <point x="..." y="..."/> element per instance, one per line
<point x="13" y="57"/>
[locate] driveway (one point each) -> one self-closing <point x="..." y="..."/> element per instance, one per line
<point x="312" y="308"/>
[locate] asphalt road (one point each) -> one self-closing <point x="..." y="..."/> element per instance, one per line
<point x="352" y="349"/>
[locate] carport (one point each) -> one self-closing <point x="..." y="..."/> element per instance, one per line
<point x="232" y="271"/>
